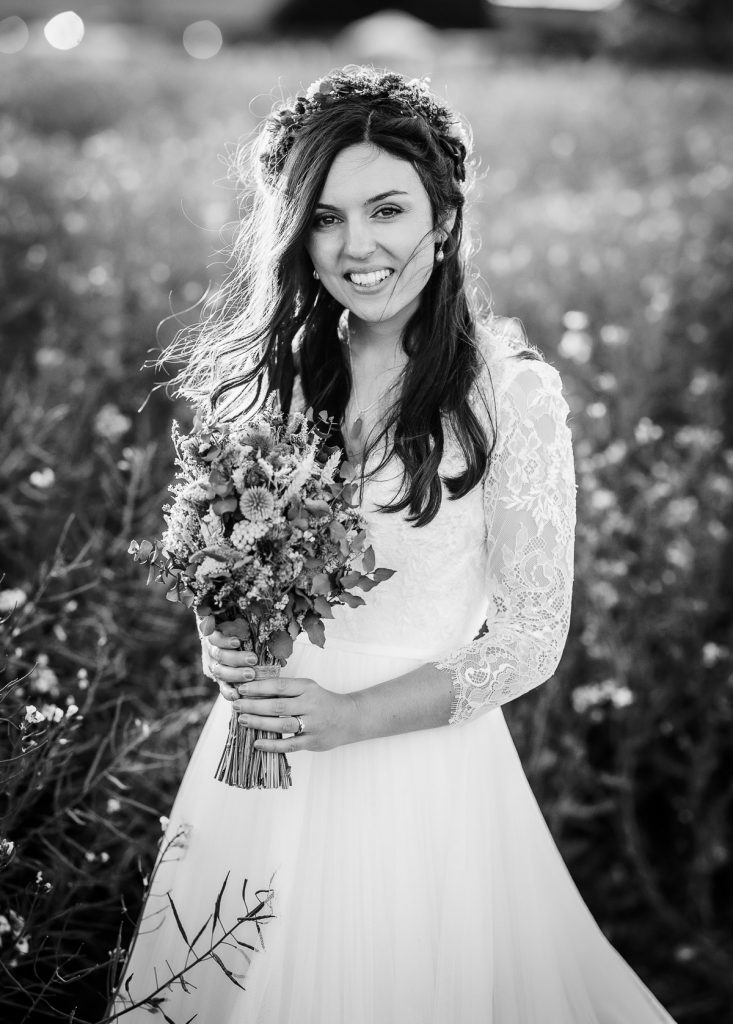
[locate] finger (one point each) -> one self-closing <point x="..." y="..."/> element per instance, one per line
<point x="277" y="706"/>
<point x="284" y="686"/>
<point x="227" y="674"/>
<point x="231" y="643"/>
<point x="228" y="691"/>
<point x="233" y="659"/>
<point x="284" y="746"/>
<point x="286" y="724"/>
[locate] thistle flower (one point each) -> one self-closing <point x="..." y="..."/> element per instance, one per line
<point x="257" y="504"/>
<point x="260" y="439"/>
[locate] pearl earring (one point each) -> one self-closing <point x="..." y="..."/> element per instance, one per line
<point x="440" y="255"/>
<point x="316" y="275"/>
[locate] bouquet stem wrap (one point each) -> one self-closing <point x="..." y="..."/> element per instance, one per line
<point x="242" y="764"/>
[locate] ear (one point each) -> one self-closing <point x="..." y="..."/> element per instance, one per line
<point x="446" y="225"/>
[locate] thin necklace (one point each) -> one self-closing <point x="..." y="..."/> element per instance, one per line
<point x="357" y="426"/>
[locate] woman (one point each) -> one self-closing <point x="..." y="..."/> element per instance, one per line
<point x="408" y="875"/>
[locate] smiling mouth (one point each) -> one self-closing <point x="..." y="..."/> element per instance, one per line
<point x="371" y="280"/>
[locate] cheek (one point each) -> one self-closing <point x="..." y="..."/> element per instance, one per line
<point x="321" y="250"/>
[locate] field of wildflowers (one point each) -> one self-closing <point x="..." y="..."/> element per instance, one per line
<point x="606" y="222"/>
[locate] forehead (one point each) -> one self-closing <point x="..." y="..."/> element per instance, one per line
<point x="365" y="170"/>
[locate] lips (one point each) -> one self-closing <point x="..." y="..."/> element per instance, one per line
<point x="370" y="279"/>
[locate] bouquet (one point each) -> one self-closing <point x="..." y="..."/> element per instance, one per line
<point x="262" y="529"/>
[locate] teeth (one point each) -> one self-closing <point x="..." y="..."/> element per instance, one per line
<point x="369" y="280"/>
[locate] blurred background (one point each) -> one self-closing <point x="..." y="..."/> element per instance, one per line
<point x="604" y="130"/>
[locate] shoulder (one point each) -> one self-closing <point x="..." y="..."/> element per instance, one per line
<point x="507" y="359"/>
<point x="522" y="382"/>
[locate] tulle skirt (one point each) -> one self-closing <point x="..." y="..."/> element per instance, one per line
<point x="410" y="879"/>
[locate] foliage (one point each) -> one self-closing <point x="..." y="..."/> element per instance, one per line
<point x="606" y="225"/>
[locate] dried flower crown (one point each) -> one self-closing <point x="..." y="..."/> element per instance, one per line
<point x="412" y="97"/>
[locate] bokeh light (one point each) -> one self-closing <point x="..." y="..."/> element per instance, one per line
<point x="13" y="34"/>
<point x="202" y="39"/>
<point x="65" y="30"/>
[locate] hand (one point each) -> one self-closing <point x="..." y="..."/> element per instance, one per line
<point x="329" y="719"/>
<point x="223" y="661"/>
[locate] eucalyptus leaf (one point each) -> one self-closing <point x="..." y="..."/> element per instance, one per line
<point x="337" y="530"/>
<point x="320" y="584"/>
<point x="366" y="584"/>
<point x="321" y="605"/>
<point x="281" y="644"/>
<point x="314" y="628"/>
<point x="369" y="560"/>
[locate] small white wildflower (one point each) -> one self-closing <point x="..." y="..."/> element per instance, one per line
<point x="22" y="945"/>
<point x="71" y="710"/>
<point x="43" y="679"/>
<point x="163" y="822"/>
<point x="113" y="805"/>
<point x="612" y="334"/>
<point x="52" y="712"/>
<point x="104" y="856"/>
<point x="712" y="654"/>
<point x="90" y="856"/>
<point x="42" y="479"/>
<point x="588" y="697"/>
<point x="576" y="345"/>
<point x="575" y="320"/>
<point x="646" y="431"/>
<point x="12" y="598"/>
<point x="32" y="715"/>
<point x="111" y="424"/>
<point x="4" y="925"/>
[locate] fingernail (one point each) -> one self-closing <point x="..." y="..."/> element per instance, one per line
<point x="249" y="673"/>
<point x="242" y="690"/>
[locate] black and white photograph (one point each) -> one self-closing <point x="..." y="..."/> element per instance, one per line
<point x="366" y="512"/>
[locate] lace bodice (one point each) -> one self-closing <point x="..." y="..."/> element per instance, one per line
<point x="502" y="554"/>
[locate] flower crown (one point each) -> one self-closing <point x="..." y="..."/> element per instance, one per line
<point x="413" y="98"/>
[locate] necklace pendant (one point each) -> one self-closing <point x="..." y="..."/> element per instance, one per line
<point x="356" y="428"/>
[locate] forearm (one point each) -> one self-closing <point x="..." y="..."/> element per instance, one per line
<point x="420" y="699"/>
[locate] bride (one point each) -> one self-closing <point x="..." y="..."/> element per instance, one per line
<point x="408" y="875"/>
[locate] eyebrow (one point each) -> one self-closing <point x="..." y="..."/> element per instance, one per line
<point x="367" y="202"/>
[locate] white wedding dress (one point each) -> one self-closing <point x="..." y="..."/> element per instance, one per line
<point x="410" y="879"/>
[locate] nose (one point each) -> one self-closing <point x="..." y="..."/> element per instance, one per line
<point x="359" y="241"/>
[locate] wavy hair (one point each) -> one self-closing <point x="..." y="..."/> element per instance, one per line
<point x="271" y="319"/>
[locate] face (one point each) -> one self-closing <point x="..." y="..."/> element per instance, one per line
<point x="373" y="240"/>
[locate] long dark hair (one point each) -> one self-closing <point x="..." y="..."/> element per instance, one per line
<point x="271" y="312"/>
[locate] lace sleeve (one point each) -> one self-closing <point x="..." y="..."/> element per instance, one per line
<point x="529" y="503"/>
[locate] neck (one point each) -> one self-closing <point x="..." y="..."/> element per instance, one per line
<point x="375" y="343"/>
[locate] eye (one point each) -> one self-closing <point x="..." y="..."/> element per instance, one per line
<point x="390" y="212"/>
<point x="323" y="220"/>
